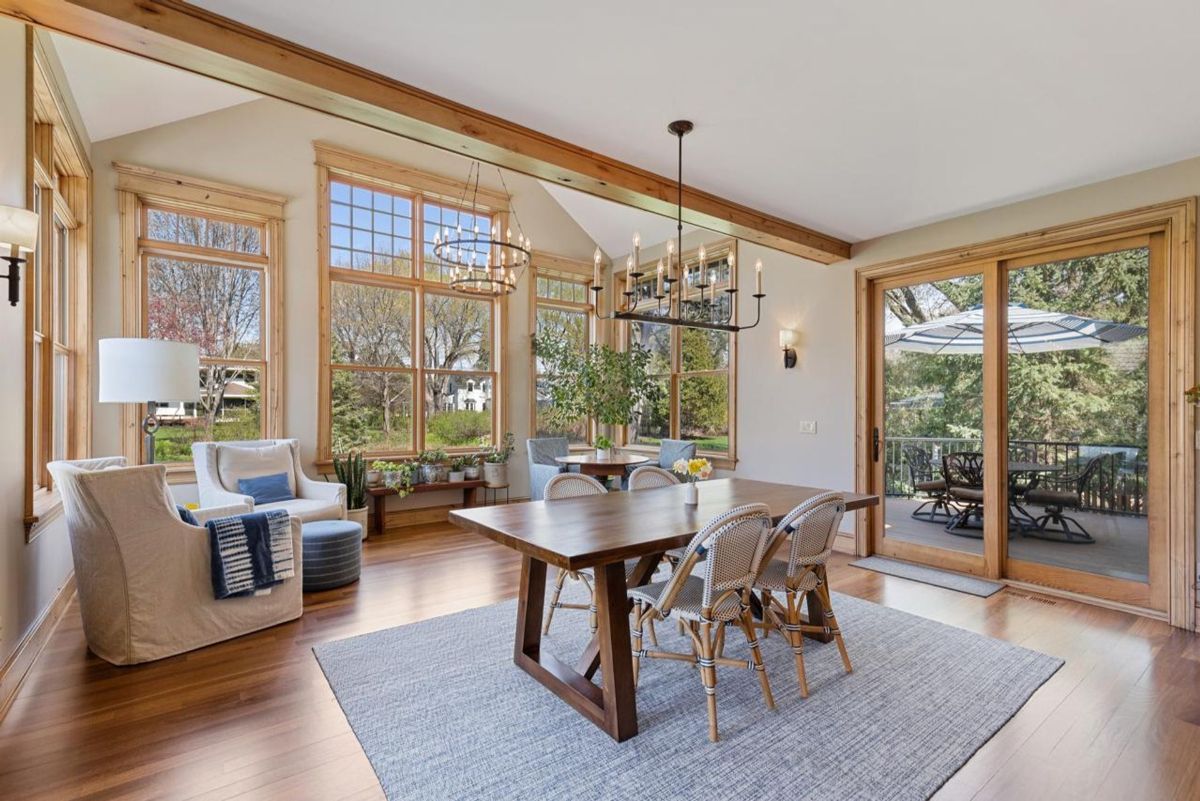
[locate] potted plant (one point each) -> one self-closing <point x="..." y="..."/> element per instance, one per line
<point x="495" y="462"/>
<point x="351" y="470"/>
<point x="374" y="475"/>
<point x="458" y="467"/>
<point x="691" y="471"/>
<point x="473" y="471"/>
<point x="604" y="447"/>
<point x="432" y="468"/>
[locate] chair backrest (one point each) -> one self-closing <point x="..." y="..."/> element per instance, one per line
<point x="813" y="526"/>
<point x="1092" y="472"/>
<point x="672" y="450"/>
<point x="732" y="546"/>
<point x="920" y="466"/>
<point x="648" y="477"/>
<point x="221" y="464"/>
<point x="545" y="449"/>
<point x="572" y="485"/>
<point x="963" y="469"/>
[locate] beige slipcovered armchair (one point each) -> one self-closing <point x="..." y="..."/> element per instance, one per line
<point x="144" y="576"/>
<point x="219" y="466"/>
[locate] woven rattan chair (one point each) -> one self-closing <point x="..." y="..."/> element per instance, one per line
<point x="813" y="527"/>
<point x="561" y="487"/>
<point x="650" y="477"/>
<point x="1066" y="492"/>
<point x="964" y="481"/>
<point x="920" y="472"/>
<point x="733" y="543"/>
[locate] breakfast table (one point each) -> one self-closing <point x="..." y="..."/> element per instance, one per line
<point x="591" y="464"/>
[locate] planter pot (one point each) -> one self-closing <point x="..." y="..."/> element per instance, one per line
<point x="473" y="473"/>
<point x="374" y="478"/>
<point x="390" y="477"/>
<point x="432" y="473"/>
<point x="359" y="516"/>
<point x="604" y="453"/>
<point x="457" y="475"/>
<point x="495" y="475"/>
<point x="691" y="494"/>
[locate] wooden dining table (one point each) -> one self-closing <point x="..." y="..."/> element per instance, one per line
<point x="601" y="532"/>
<point x="612" y="465"/>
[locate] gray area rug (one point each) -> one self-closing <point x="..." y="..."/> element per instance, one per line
<point x="930" y="575"/>
<point x="443" y="713"/>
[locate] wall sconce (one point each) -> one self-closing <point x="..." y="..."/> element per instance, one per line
<point x="787" y="343"/>
<point x="18" y="231"/>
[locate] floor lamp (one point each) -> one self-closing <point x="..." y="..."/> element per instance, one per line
<point x="149" y="371"/>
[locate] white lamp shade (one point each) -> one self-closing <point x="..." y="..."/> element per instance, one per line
<point x="787" y="338"/>
<point x="18" y="229"/>
<point x="144" y="370"/>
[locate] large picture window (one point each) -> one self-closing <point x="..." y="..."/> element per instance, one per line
<point x="695" y="367"/>
<point x="561" y="310"/>
<point x="408" y="364"/>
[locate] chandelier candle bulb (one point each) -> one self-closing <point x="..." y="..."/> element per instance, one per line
<point x="660" y="279"/>
<point x="757" y="277"/>
<point x="596" y="268"/>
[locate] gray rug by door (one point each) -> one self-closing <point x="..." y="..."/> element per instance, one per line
<point x="930" y="575"/>
<point x="442" y="713"/>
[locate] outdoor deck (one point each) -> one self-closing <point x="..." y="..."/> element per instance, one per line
<point x="1120" y="550"/>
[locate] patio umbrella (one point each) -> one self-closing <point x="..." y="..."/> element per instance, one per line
<point x="1029" y="331"/>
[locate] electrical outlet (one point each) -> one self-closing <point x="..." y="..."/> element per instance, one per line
<point x="808" y="426"/>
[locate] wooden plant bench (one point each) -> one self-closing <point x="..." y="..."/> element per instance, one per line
<point x="378" y="496"/>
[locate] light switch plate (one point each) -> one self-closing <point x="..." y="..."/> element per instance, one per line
<point x="808" y="426"/>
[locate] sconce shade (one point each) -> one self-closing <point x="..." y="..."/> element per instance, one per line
<point x="143" y="370"/>
<point x="18" y="230"/>
<point x="787" y="338"/>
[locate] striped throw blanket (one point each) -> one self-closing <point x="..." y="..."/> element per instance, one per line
<point x="250" y="552"/>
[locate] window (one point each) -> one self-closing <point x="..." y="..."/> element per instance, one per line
<point x="206" y="273"/>
<point x="408" y="364"/>
<point x="694" y="366"/>
<point x="561" y="309"/>
<point x="56" y="288"/>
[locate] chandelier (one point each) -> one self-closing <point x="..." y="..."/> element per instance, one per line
<point x="483" y="262"/>
<point x="677" y="294"/>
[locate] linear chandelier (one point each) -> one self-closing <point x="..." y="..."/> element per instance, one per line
<point x="483" y="263"/>
<point x="674" y="287"/>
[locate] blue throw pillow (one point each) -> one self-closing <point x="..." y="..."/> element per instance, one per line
<point x="266" y="489"/>
<point x="185" y="514"/>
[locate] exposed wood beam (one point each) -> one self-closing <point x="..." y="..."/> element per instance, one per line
<point x="199" y="41"/>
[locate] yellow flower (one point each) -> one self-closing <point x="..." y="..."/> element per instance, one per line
<point x="696" y="465"/>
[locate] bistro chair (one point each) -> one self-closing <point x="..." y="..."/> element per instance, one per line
<point x="734" y="544"/>
<point x="1057" y="494"/>
<point x="920" y="472"/>
<point x="813" y="527"/>
<point x="964" y="483"/>
<point x="561" y="487"/>
<point x="650" y="477"/>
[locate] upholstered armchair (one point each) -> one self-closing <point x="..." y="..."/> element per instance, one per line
<point x="672" y="450"/>
<point x="542" y="466"/>
<point x="144" y="576"/>
<point x="220" y="465"/>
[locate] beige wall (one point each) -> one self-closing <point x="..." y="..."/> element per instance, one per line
<point x="267" y="145"/>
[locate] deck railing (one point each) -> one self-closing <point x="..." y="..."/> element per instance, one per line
<point x="1119" y="489"/>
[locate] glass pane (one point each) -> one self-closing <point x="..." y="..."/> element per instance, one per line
<point x="362" y="224"/>
<point x="229" y="409"/>
<point x="933" y="407"/>
<point x="62" y="364"/>
<point x="1078" y="393"/>
<point x="577" y="432"/>
<point x="204" y="232"/>
<point x="34" y="266"/>
<point x="652" y="423"/>
<point x="562" y="324"/>
<point x="372" y="411"/>
<point x="655" y="338"/>
<point x="458" y="410"/>
<point x="37" y="408"/>
<point x="62" y="283"/>
<point x="217" y="307"/>
<point x="701" y="349"/>
<point x="704" y="411"/>
<point x="371" y="325"/>
<point x="457" y="332"/>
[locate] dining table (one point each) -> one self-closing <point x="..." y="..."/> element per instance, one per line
<point x="601" y="532"/>
<point x="592" y="464"/>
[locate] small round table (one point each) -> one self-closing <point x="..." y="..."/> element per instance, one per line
<point x="591" y="465"/>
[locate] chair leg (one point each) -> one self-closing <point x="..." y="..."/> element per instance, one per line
<point x="756" y="656"/>
<point x="708" y="674"/>
<point x="765" y="597"/>
<point x="719" y="649"/>
<point x="638" y="611"/>
<point x="796" y="638"/>
<point x="832" y="625"/>
<point x="653" y="634"/>
<point x="558" y="585"/>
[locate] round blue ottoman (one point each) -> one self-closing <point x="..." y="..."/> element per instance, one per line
<point x="332" y="553"/>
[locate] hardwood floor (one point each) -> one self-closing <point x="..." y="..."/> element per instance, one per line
<point x="254" y="718"/>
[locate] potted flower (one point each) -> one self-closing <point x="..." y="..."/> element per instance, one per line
<point x="472" y="471"/>
<point x="458" y="467"/>
<point x="351" y="470"/>
<point x="432" y="469"/>
<point x="691" y="471"/>
<point x="495" y="462"/>
<point x="604" y="447"/>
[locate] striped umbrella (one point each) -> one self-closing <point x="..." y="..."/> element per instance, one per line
<point x="1029" y="331"/>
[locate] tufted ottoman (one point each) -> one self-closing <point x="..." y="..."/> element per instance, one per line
<point x="332" y="553"/>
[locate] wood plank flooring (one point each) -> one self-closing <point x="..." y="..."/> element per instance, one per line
<point x="254" y="718"/>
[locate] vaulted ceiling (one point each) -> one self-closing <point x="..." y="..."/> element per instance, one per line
<point x="856" y="119"/>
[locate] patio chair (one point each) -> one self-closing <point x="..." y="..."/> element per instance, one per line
<point x="920" y="472"/>
<point x="964" y="483"/>
<point x="1066" y="492"/>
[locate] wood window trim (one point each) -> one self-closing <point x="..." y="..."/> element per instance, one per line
<point x="726" y="460"/>
<point x="1175" y="223"/>
<point x="139" y="188"/>
<point x="334" y="163"/>
<point x="57" y="169"/>
<point x="551" y="266"/>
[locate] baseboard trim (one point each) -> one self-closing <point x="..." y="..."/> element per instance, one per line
<point x="846" y="542"/>
<point x="13" y="674"/>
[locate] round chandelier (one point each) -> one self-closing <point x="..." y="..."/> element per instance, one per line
<point x="483" y="262"/>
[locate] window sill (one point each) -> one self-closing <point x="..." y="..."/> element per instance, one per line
<point x="47" y="507"/>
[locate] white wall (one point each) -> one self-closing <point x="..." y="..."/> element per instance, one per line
<point x="30" y="573"/>
<point x="267" y="145"/>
